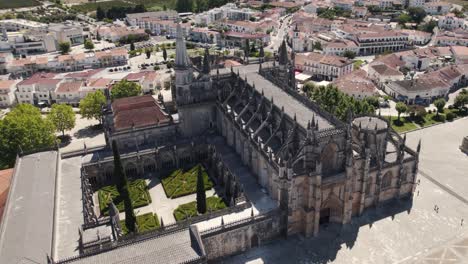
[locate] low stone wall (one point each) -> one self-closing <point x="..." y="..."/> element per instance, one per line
<point x="240" y="236"/>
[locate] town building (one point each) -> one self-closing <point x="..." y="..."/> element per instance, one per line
<point x="115" y="33"/>
<point x="162" y="27"/>
<point x="67" y="32"/>
<point x="228" y="11"/>
<point x="38" y="89"/>
<point x="68" y="92"/>
<point x="22" y="24"/>
<point x="7" y="93"/>
<point x="323" y="67"/>
<point x="450" y="22"/>
<point x="148" y="80"/>
<point x="437" y="8"/>
<point x="339" y="47"/>
<point x="417" y="37"/>
<point x="357" y="85"/>
<point x="452" y="38"/>
<point x="236" y="39"/>
<point x="136" y="18"/>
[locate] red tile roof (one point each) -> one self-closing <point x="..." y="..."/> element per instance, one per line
<point x="41" y="77"/>
<point x="69" y="87"/>
<point x="138" y="111"/>
<point x="5" y="180"/>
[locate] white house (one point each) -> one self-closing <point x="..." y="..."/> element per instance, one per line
<point x="7" y="93"/>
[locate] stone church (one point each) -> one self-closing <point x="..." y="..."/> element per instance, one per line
<point x="318" y="168"/>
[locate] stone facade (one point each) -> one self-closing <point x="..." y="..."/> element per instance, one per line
<point x="316" y="168"/>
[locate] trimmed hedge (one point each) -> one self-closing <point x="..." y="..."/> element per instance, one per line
<point x="145" y="222"/>
<point x="138" y="194"/>
<point x="187" y="210"/>
<point x="180" y="183"/>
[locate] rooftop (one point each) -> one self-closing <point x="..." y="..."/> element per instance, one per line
<point x="32" y="212"/>
<point x="69" y="87"/>
<point x="138" y="111"/>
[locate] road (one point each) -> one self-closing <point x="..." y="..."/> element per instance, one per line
<point x="280" y="34"/>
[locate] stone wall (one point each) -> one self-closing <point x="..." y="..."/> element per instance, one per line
<point x="241" y="236"/>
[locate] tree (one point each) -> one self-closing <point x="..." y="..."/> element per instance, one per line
<point x="98" y="36"/>
<point x="148" y="53"/>
<point x="63" y="117"/>
<point x="24" y="129"/>
<point x="64" y="47"/>
<point x="125" y="88"/>
<point x="317" y="45"/>
<point x="247" y="48"/>
<point x="100" y="14"/>
<point x="439" y="104"/>
<point x="401" y="108"/>
<point x="132" y="46"/>
<point x="404" y="18"/>
<point x="461" y="99"/>
<point x="91" y="105"/>
<point x="417" y="14"/>
<point x="164" y="53"/>
<point x="88" y="44"/>
<point x="184" y="6"/>
<point x="201" y="195"/>
<point x="349" y="54"/>
<point x="261" y="53"/>
<point x="122" y="188"/>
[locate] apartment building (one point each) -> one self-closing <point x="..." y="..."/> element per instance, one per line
<point x="115" y="33"/>
<point x="68" y="92"/>
<point x="340" y="46"/>
<point x="67" y="32"/>
<point x="205" y="35"/>
<point x="148" y="80"/>
<point x="71" y="62"/>
<point x="379" y="41"/>
<point x="7" y="93"/>
<point x="37" y="89"/>
<point x="163" y="27"/>
<point x="24" y="43"/>
<point x="437" y="8"/>
<point x="450" y="22"/>
<point x="134" y="19"/>
<point x="322" y="66"/>
<point x="236" y="39"/>
<point x="356" y="84"/>
<point x="452" y="38"/>
<point x="229" y="11"/>
<point x="417" y="37"/>
<point x="22" y="24"/>
<point x="249" y="27"/>
<point x="416" y="3"/>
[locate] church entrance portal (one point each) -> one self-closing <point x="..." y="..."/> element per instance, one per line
<point x="324" y="216"/>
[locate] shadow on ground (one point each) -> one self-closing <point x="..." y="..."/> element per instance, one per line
<point x="331" y="239"/>
<point x="88" y="132"/>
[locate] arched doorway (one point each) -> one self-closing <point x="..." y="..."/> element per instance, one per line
<point x="254" y="241"/>
<point x="331" y="210"/>
<point x="131" y="170"/>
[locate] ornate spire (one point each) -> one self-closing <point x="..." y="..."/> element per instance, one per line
<point x="206" y="62"/>
<point x="283" y="54"/>
<point x="182" y="59"/>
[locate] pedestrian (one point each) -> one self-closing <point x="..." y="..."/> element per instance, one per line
<point x="461" y="222"/>
<point x="418" y="193"/>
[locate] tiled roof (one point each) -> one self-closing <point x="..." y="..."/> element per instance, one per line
<point x="356" y="81"/>
<point x="332" y="60"/>
<point x="138" y="111"/>
<point x="6" y="84"/>
<point x="384" y="70"/>
<point x="69" y="87"/>
<point x="38" y="78"/>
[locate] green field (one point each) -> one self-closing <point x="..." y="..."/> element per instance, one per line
<point x="138" y="194"/>
<point x="90" y="7"/>
<point x="154" y="5"/>
<point x="187" y="210"/>
<point x="145" y="222"/>
<point x="180" y="183"/>
<point x="4" y="4"/>
<point x="402" y="125"/>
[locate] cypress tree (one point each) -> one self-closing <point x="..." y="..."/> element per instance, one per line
<point x="201" y="195"/>
<point x="122" y="188"/>
<point x="164" y="53"/>
<point x="100" y="14"/>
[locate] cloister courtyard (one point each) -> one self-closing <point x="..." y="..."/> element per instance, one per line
<point x="168" y="198"/>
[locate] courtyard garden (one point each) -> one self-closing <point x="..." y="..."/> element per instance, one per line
<point x="139" y="196"/>
<point x="145" y="222"/>
<point x="187" y="210"/>
<point x="180" y="183"/>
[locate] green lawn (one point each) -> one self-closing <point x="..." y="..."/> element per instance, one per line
<point x="357" y="64"/>
<point x="154" y="5"/>
<point x="4" y="4"/>
<point x="145" y="222"/>
<point x="405" y="124"/>
<point x="180" y="183"/>
<point x="138" y="194"/>
<point x="187" y="210"/>
<point x="90" y="7"/>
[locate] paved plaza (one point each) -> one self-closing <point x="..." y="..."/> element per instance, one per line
<point x="84" y="132"/>
<point x="405" y="231"/>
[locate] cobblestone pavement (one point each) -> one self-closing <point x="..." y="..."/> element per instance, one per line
<point x="402" y="232"/>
